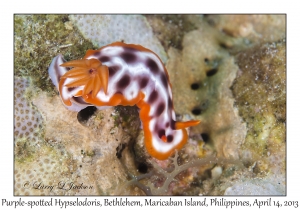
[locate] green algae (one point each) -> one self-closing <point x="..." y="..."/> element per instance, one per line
<point x="128" y="118"/>
<point x="89" y="153"/>
<point x="170" y="29"/>
<point x="260" y="94"/>
<point x="23" y="151"/>
<point x="38" y="39"/>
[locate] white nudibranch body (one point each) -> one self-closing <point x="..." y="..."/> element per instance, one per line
<point x="124" y="74"/>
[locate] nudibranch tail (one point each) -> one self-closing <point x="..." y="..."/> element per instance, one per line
<point x="124" y="74"/>
<point x="182" y="125"/>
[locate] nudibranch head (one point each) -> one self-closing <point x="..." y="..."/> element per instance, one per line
<point x="89" y="73"/>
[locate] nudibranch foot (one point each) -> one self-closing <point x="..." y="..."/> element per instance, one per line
<point x="124" y="74"/>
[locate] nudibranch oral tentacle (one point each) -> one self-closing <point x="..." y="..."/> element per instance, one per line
<point x="124" y="74"/>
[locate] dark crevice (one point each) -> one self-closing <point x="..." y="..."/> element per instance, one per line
<point x="119" y="150"/>
<point x="211" y="72"/>
<point x="205" y="137"/>
<point x="142" y="167"/>
<point x="86" y="113"/>
<point x="196" y="111"/>
<point x="225" y="46"/>
<point x="65" y="19"/>
<point x="195" y="86"/>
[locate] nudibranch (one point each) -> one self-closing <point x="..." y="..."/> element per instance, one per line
<point x="124" y="74"/>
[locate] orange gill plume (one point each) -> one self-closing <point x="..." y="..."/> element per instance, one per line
<point x="89" y="73"/>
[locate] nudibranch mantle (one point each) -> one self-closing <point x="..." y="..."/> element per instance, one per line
<point x="124" y="74"/>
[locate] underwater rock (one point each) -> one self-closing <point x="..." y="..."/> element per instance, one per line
<point x="224" y="115"/>
<point x="131" y="29"/>
<point x="255" y="28"/>
<point x="260" y="94"/>
<point x="74" y="158"/>
<point x="170" y="29"/>
<point x="201" y="76"/>
<point x="94" y="145"/>
<point x="47" y="171"/>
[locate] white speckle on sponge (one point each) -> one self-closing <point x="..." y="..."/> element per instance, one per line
<point x="105" y="29"/>
<point x="43" y="174"/>
<point x="28" y="120"/>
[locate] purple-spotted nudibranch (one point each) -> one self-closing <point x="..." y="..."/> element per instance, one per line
<point x="124" y="74"/>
